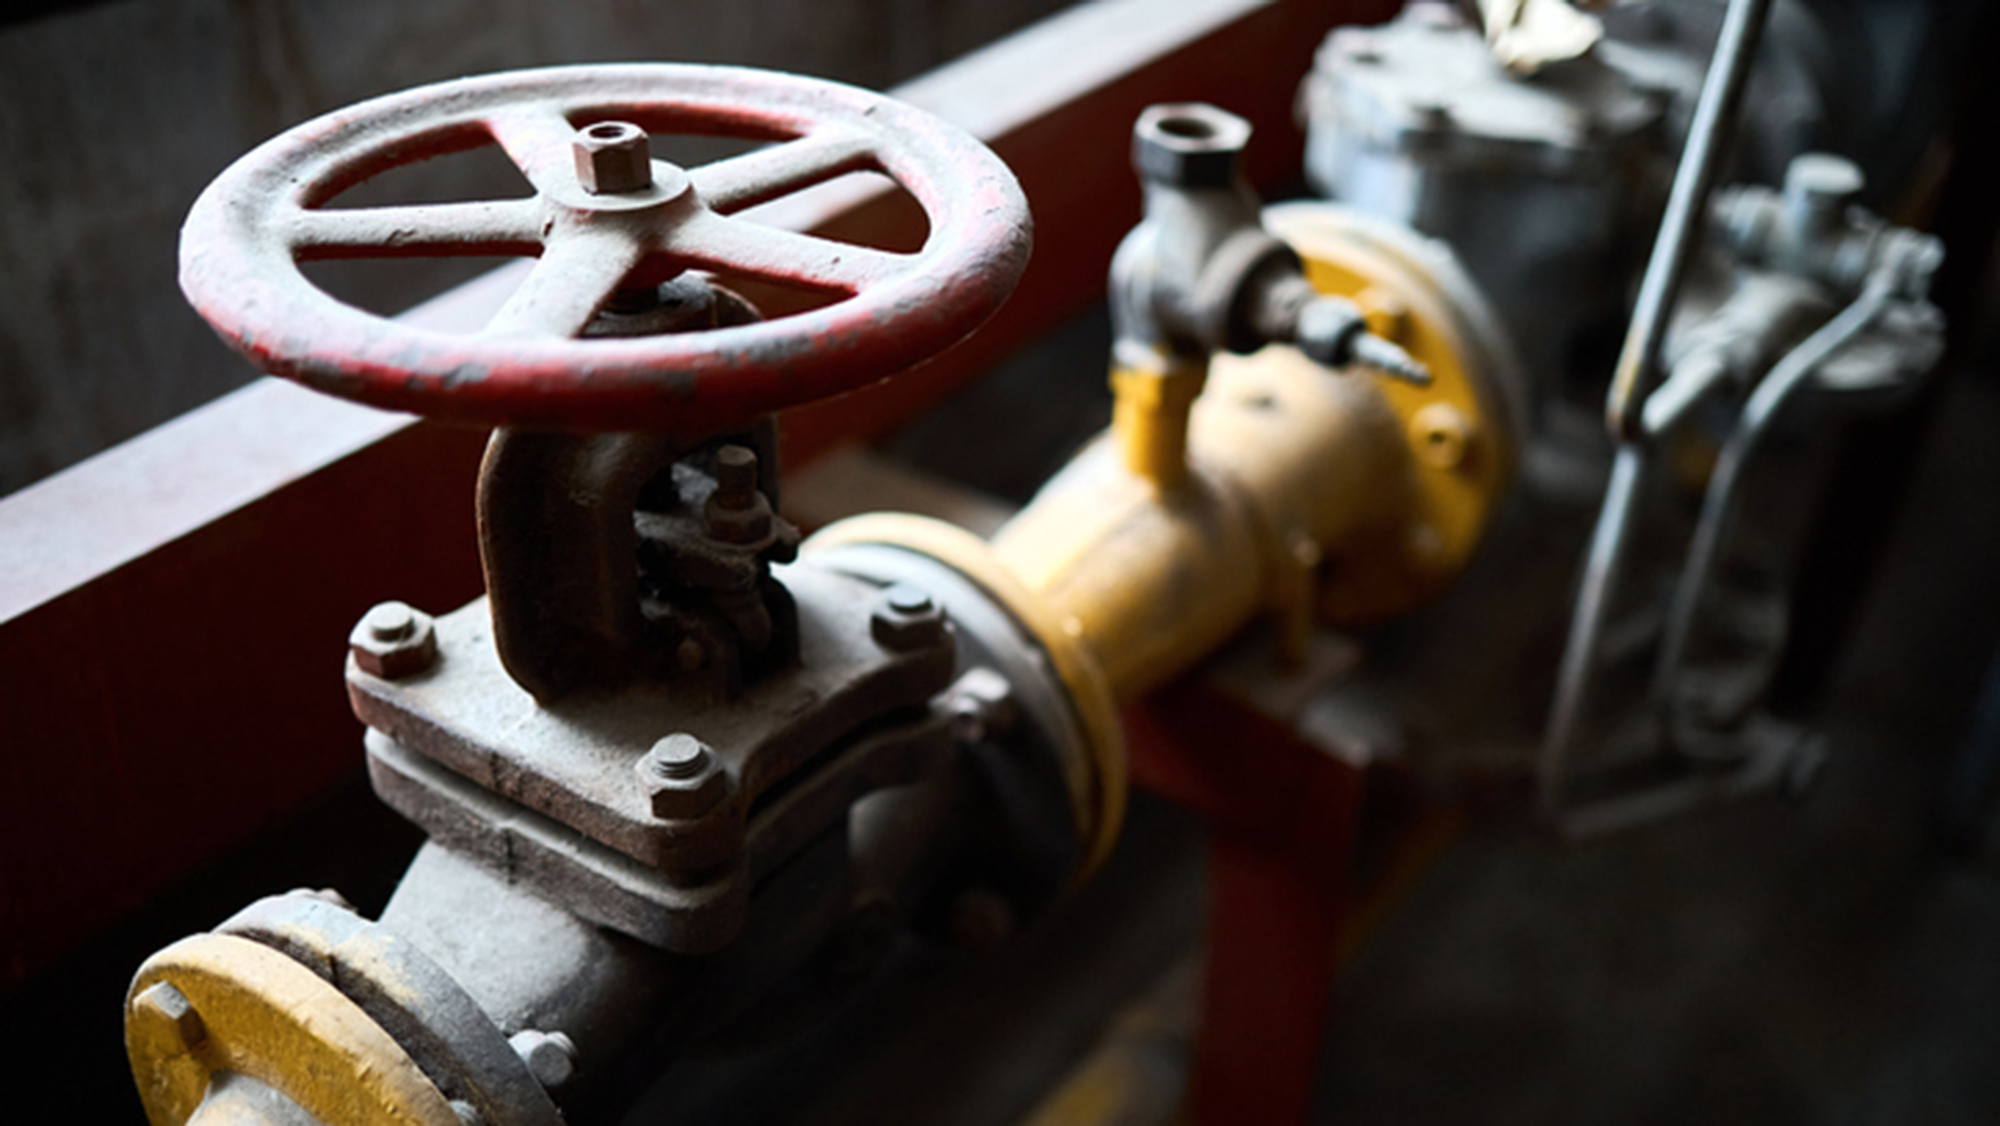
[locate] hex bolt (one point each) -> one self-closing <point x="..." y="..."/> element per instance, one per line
<point x="907" y="619"/>
<point x="162" y="1005"/>
<point x="680" y="756"/>
<point x="390" y="621"/>
<point x="394" y="640"/>
<point x="736" y="511"/>
<point x="550" y="1056"/>
<point x="735" y="476"/>
<point x="1189" y="145"/>
<point x="680" y="777"/>
<point x="612" y="157"/>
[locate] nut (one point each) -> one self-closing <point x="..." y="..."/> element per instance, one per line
<point x="907" y="619"/>
<point x="166" y="1007"/>
<point x="612" y="156"/>
<point x="550" y="1056"/>
<point x="393" y="640"/>
<point x="1189" y="145"/>
<point x="681" y="778"/>
<point x="737" y="511"/>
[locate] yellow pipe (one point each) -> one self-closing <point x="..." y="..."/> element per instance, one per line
<point x="1239" y="487"/>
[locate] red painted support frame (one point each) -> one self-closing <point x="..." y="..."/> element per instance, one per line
<point x="1283" y="817"/>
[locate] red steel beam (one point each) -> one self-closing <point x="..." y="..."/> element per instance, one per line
<point x="172" y="612"/>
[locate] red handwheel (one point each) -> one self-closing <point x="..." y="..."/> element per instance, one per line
<point x="592" y="224"/>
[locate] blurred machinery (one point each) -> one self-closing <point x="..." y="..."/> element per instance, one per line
<point x="677" y="759"/>
<point x="1539" y="183"/>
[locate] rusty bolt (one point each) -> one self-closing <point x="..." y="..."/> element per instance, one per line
<point x="612" y="156"/>
<point x="164" y="1006"/>
<point x="735" y="476"/>
<point x="393" y="640"/>
<point x="680" y="777"/>
<point x="736" y="511"/>
<point x="1189" y="145"/>
<point x="906" y="619"/>
<point x="1442" y="435"/>
<point x="550" y="1056"/>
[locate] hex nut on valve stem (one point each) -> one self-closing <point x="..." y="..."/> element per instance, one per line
<point x="613" y="156"/>
<point x="394" y="640"/>
<point x="681" y="778"/>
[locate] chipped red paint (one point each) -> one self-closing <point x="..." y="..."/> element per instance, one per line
<point x="245" y="237"/>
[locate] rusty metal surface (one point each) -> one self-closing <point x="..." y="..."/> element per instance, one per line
<point x="573" y="760"/>
<point x="248" y="233"/>
<point x="275" y="513"/>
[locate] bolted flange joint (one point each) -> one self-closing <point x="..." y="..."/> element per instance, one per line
<point x="681" y="777"/>
<point x="611" y="157"/>
<point x="906" y="619"/>
<point x="394" y="640"/>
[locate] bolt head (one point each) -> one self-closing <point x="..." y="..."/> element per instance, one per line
<point x="394" y="640"/>
<point x="550" y="1056"/>
<point x="166" y="1009"/>
<point x="1189" y="145"/>
<point x="681" y="778"/>
<point x="390" y="621"/>
<point x="1823" y="178"/>
<point x="907" y="619"/>
<point x="612" y="156"/>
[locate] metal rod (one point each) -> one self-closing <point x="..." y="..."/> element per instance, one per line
<point x="1687" y="205"/>
<point x="1632" y="381"/>
<point x="1573" y="681"/>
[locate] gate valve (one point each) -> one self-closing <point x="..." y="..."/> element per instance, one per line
<point x="605" y="216"/>
<point x="615" y="368"/>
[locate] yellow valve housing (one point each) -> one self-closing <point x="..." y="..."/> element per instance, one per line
<point x="1302" y="493"/>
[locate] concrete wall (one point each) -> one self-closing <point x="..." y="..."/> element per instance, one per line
<point x="112" y="119"/>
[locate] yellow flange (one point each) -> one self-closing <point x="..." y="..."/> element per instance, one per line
<point x="1461" y="428"/>
<point x="1097" y="782"/>
<point x="215" y="1005"/>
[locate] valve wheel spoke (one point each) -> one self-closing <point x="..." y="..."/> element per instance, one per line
<point x="761" y="175"/>
<point x="505" y="226"/>
<point x="772" y="254"/>
<point x="537" y="139"/>
<point x="577" y="272"/>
